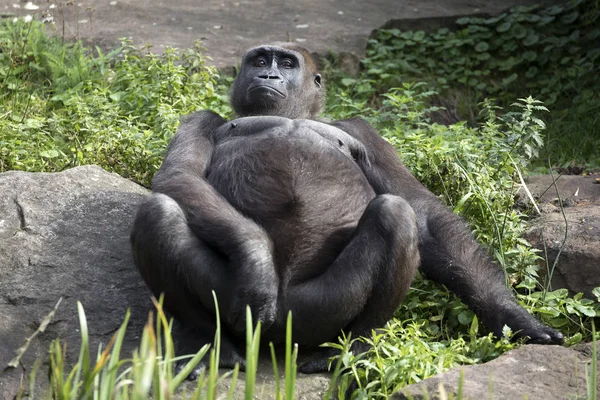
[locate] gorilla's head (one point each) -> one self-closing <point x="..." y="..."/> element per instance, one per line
<point x="279" y="79"/>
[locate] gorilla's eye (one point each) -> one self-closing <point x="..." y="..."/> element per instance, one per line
<point x="286" y="63"/>
<point x="260" y="62"/>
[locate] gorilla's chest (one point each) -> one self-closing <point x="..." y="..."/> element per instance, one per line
<point x="273" y="168"/>
<point x="251" y="132"/>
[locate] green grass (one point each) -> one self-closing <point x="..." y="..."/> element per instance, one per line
<point x="149" y="370"/>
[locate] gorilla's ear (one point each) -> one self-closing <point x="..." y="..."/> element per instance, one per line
<point x="318" y="80"/>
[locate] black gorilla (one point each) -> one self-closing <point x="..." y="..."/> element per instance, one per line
<point x="282" y="212"/>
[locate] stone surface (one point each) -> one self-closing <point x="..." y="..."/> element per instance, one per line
<point x="534" y="372"/>
<point x="67" y="235"/>
<point x="578" y="266"/>
<point x="228" y="27"/>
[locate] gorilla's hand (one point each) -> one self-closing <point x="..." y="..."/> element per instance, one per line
<point x="360" y="154"/>
<point x="257" y="285"/>
<point x="524" y="325"/>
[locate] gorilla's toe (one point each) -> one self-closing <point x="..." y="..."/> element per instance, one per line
<point x="193" y="375"/>
<point x="314" y="366"/>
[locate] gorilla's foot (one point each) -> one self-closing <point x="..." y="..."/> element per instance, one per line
<point x="525" y="325"/>
<point x="263" y="306"/>
<point x="190" y="339"/>
<point x="318" y="362"/>
<point x="227" y="361"/>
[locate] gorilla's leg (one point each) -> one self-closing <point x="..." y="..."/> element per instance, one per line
<point x="450" y="256"/>
<point x="365" y="284"/>
<point x="173" y="261"/>
<point x="191" y="338"/>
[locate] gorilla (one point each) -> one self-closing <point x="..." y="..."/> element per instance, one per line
<point x="280" y="211"/>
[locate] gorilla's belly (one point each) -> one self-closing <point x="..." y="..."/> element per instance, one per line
<point x="303" y="190"/>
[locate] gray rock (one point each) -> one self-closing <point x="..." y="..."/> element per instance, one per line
<point x="578" y="266"/>
<point x="67" y="235"/>
<point x="530" y="372"/>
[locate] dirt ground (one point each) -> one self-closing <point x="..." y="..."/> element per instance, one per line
<point x="228" y="27"/>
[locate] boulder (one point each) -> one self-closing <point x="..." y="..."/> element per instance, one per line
<point x="570" y="232"/>
<point x="530" y="372"/>
<point x="66" y="235"/>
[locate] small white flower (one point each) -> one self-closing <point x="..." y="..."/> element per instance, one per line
<point x="27" y="18"/>
<point x="31" y="6"/>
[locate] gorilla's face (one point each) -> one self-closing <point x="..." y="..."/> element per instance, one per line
<point x="275" y="80"/>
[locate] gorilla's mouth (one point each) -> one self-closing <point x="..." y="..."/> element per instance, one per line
<point x="267" y="89"/>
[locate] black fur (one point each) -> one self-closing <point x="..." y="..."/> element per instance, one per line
<point x="281" y="212"/>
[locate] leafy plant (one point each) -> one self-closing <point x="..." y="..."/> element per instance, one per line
<point x="551" y="53"/>
<point x="474" y="169"/>
<point x="61" y="106"/>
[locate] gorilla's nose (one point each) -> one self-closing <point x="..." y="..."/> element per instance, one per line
<point x="269" y="76"/>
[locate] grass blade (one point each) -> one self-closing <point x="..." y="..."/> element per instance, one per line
<point x="275" y="373"/>
<point x="84" y="352"/>
<point x="14" y="363"/>
<point x="290" y="360"/>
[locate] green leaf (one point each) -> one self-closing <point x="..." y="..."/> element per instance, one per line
<point x="483" y="56"/>
<point x="503" y="27"/>
<point x="507" y="81"/>
<point x="418" y="36"/>
<point x="559" y="322"/>
<point x="115" y="96"/>
<point x="481" y="47"/>
<point x="465" y="317"/>
<point x="587" y="311"/>
<point x="519" y="31"/>
<point x="554" y="10"/>
<point x="569" y="18"/>
<point x="463" y="21"/>
<point x="593" y="34"/>
<point x="529" y="55"/>
<point x="574" y="36"/>
<point x="49" y="153"/>
<point x="531" y="72"/>
<point x="596" y="292"/>
<point x="531" y="39"/>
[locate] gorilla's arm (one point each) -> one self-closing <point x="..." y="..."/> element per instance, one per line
<point x="449" y="254"/>
<point x="215" y="222"/>
<point x="182" y="177"/>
